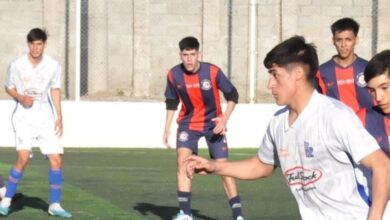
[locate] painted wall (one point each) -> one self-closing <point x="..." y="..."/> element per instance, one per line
<point x="137" y="124"/>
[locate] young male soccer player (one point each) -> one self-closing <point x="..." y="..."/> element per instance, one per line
<point x="196" y="85"/>
<point x="315" y="140"/>
<point x="342" y="76"/>
<point x="376" y="119"/>
<point x="34" y="82"/>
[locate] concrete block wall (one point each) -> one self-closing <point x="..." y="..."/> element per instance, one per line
<point x="135" y="41"/>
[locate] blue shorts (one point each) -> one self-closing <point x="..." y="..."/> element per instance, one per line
<point x="216" y="143"/>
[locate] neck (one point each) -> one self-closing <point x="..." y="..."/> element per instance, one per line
<point x="35" y="60"/>
<point x="299" y="103"/>
<point x="344" y="62"/>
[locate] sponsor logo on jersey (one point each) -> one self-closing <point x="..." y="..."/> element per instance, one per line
<point x="341" y="82"/>
<point x="205" y="84"/>
<point x="183" y="136"/>
<point x="360" y="80"/>
<point x="302" y="176"/>
<point x="308" y="150"/>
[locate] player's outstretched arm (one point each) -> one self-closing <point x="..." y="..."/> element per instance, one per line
<point x="379" y="163"/>
<point x="248" y="169"/>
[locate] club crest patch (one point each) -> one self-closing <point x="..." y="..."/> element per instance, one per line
<point x="360" y="80"/>
<point x="183" y="136"/>
<point x="205" y="84"/>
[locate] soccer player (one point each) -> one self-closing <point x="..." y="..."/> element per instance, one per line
<point x="196" y="85"/>
<point x="377" y="118"/>
<point x="315" y="140"/>
<point x="342" y="76"/>
<point x="33" y="81"/>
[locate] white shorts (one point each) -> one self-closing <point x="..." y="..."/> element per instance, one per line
<point x="28" y="134"/>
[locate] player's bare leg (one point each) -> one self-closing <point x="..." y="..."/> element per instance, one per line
<point x="183" y="184"/>
<point x="15" y="175"/>
<point x="230" y="187"/>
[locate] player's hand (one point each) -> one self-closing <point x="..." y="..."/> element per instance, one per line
<point x="196" y="164"/>
<point x="58" y="127"/>
<point x="25" y="100"/>
<point x="220" y="125"/>
<point x="166" y="138"/>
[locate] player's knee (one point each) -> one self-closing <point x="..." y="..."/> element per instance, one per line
<point x="55" y="161"/>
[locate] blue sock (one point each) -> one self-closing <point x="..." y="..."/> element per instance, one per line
<point x="55" y="180"/>
<point x="235" y="204"/>
<point x="184" y="199"/>
<point x="13" y="181"/>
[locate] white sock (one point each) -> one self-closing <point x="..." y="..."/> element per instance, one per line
<point x="55" y="206"/>
<point x="2" y="191"/>
<point x="5" y="202"/>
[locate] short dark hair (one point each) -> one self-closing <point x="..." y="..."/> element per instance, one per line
<point x="345" y="24"/>
<point x="189" y="43"/>
<point x="37" y="34"/>
<point x="378" y="65"/>
<point x="294" y="50"/>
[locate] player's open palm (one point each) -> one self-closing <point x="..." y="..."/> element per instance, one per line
<point x="220" y="125"/>
<point x="166" y="138"/>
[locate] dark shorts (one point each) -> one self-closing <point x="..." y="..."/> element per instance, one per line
<point x="216" y="143"/>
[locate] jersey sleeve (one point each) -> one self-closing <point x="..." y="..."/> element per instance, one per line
<point x="10" y="82"/>
<point x="354" y="139"/>
<point x="319" y="83"/>
<point x="170" y="90"/>
<point x="55" y="82"/>
<point x="224" y="83"/>
<point x="267" y="151"/>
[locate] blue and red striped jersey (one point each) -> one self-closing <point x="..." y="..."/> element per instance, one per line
<point x="345" y="84"/>
<point x="198" y="93"/>
<point x="377" y="124"/>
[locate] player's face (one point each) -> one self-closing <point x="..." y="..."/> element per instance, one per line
<point x="345" y="42"/>
<point x="190" y="59"/>
<point x="281" y="82"/>
<point x="379" y="87"/>
<point x="36" y="48"/>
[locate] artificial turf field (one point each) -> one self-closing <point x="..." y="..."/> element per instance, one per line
<point x="134" y="184"/>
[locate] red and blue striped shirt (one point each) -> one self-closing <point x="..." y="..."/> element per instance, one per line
<point x="345" y="84"/>
<point x="377" y="124"/>
<point x="199" y="94"/>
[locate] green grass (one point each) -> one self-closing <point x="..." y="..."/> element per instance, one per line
<point x="140" y="184"/>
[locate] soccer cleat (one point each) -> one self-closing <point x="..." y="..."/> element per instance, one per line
<point x="182" y="216"/>
<point x="4" y="210"/>
<point x="239" y="218"/>
<point x="60" y="213"/>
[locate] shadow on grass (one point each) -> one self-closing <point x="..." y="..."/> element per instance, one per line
<point x="166" y="212"/>
<point x="20" y="201"/>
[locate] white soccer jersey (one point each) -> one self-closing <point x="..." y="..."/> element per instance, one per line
<point x="37" y="83"/>
<point x="315" y="155"/>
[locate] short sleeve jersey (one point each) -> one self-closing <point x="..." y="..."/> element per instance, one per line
<point x="35" y="82"/>
<point x="345" y="84"/>
<point x="198" y="94"/>
<point x="317" y="154"/>
<point x="377" y="124"/>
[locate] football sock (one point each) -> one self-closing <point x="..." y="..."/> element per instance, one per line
<point x="55" y="180"/>
<point x="184" y="199"/>
<point x="235" y="204"/>
<point x="13" y="181"/>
